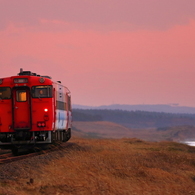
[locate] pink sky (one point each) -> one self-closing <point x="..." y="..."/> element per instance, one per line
<point x="104" y="51"/>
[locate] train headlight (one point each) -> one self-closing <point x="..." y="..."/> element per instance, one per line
<point x="41" y="80"/>
<point x="41" y="124"/>
<point x="45" y="109"/>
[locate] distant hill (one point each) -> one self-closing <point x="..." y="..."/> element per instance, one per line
<point x="173" y="108"/>
<point x="134" y="119"/>
<point x="105" y="129"/>
<point x="101" y="129"/>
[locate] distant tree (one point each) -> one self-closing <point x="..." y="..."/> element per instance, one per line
<point x="134" y="119"/>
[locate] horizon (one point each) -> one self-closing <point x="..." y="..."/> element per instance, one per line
<point x="171" y="105"/>
<point x="119" y="52"/>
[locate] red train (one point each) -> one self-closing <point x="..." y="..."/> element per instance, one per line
<point x="34" y="110"/>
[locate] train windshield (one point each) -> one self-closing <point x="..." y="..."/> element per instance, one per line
<point x="5" y="93"/>
<point x="43" y="91"/>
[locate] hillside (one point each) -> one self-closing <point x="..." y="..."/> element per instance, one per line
<point x="100" y="129"/>
<point x="104" y="166"/>
<point x="105" y="129"/>
<point x="134" y="119"/>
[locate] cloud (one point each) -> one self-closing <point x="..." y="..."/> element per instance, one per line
<point x="101" y="49"/>
<point x="142" y="49"/>
<point x="110" y="14"/>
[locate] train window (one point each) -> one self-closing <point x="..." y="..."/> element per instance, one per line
<point x="5" y="93"/>
<point x="43" y="91"/>
<point x="21" y="96"/>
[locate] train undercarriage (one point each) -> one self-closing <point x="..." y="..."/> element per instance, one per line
<point x="30" y="140"/>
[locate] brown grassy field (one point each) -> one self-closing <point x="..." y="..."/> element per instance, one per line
<point x="105" y="129"/>
<point x="106" y="166"/>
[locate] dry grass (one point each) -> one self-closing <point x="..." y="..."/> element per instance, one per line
<point x="105" y="129"/>
<point x="123" y="166"/>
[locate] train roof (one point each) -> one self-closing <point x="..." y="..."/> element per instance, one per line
<point x="34" y="78"/>
<point x="29" y="73"/>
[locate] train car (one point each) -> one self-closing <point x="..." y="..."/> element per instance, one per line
<point x="34" y="110"/>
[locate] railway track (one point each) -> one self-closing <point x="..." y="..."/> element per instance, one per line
<point x="7" y="156"/>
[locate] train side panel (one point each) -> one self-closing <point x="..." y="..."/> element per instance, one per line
<point x="63" y="111"/>
<point x="61" y="120"/>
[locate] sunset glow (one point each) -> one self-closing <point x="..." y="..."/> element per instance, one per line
<point x="105" y="51"/>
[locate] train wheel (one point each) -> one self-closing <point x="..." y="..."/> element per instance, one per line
<point x="53" y="137"/>
<point x="66" y="135"/>
<point x="15" y="151"/>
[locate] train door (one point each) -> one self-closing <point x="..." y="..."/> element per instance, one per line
<point x="21" y="108"/>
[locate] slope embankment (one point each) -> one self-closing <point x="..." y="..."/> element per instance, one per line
<point x="105" y="166"/>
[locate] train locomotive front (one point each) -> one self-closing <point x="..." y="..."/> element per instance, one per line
<point x="34" y="110"/>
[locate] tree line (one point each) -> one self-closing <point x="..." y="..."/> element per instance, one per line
<point x="134" y="119"/>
